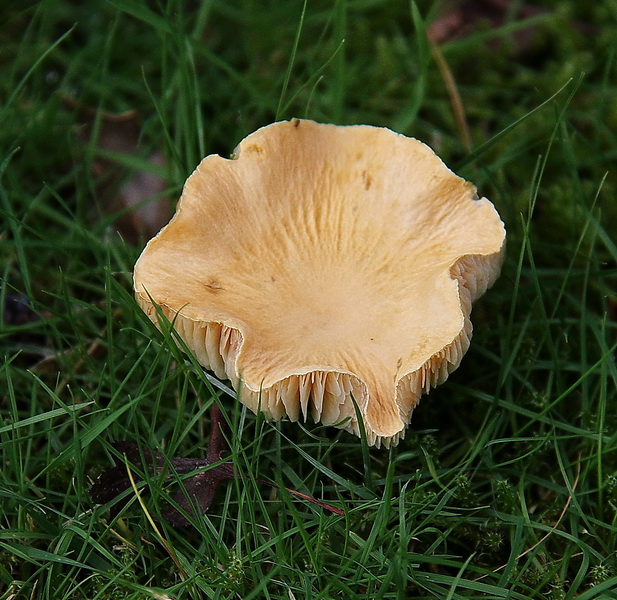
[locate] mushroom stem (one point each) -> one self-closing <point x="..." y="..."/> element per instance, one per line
<point x="217" y="444"/>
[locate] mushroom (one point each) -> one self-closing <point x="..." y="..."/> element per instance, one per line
<point x="323" y="267"/>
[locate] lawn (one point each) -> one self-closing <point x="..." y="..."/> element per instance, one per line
<point x="505" y="485"/>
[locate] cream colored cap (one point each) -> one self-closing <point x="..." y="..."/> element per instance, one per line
<point x="323" y="263"/>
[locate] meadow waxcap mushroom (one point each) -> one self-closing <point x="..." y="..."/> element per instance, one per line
<point x="324" y="265"/>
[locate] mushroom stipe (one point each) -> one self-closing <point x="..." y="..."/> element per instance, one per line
<point x="323" y="265"/>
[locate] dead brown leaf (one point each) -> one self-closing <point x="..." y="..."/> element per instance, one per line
<point x="141" y="198"/>
<point x="459" y="19"/>
<point x="198" y="489"/>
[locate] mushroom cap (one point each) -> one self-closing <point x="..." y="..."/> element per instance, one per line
<point x="325" y="265"/>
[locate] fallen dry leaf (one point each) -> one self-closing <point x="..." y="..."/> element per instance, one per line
<point x="459" y="19"/>
<point x="200" y="488"/>
<point x="141" y="198"/>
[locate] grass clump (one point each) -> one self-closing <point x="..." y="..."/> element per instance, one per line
<point x="506" y="484"/>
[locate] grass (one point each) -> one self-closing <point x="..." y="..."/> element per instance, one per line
<point x="506" y="484"/>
